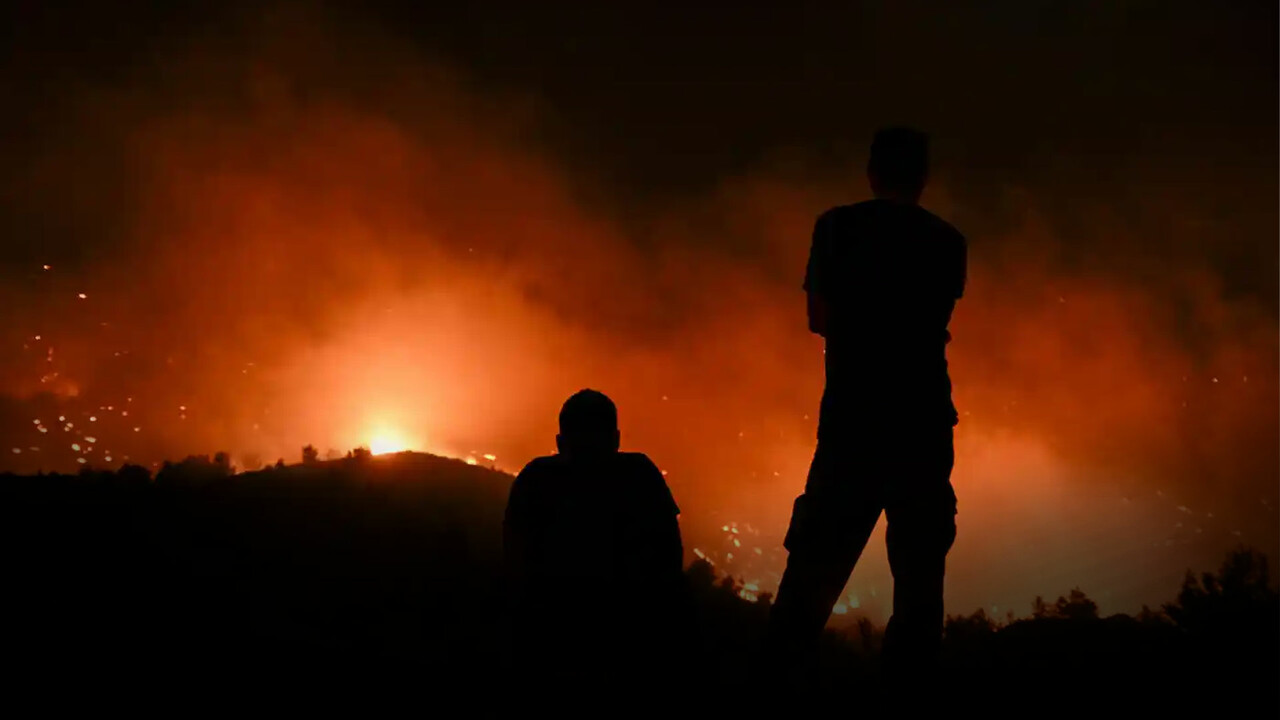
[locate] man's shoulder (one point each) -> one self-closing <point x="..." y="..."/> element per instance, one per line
<point x="844" y="212"/>
<point x="552" y="465"/>
<point x="540" y="467"/>
<point x="940" y="227"/>
<point x="649" y="479"/>
<point x="638" y="461"/>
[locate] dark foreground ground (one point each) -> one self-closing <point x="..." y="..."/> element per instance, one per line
<point x="378" y="581"/>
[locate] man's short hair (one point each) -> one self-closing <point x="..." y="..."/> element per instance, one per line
<point x="900" y="158"/>
<point x="588" y="412"/>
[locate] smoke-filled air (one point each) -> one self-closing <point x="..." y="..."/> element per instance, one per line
<point x="330" y="237"/>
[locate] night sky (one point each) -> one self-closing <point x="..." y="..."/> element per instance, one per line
<point x="425" y="226"/>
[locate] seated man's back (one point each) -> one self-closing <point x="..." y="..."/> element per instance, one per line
<point x="594" y="551"/>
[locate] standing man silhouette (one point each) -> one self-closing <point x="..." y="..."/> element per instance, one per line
<point x="882" y="280"/>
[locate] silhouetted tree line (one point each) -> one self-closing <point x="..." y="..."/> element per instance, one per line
<point x="389" y="571"/>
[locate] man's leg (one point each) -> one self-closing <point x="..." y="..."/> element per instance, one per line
<point x="809" y="589"/>
<point x="921" y="529"/>
<point x="830" y="525"/>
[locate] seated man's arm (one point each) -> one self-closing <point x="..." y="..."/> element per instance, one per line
<point x="516" y="531"/>
<point x="661" y="549"/>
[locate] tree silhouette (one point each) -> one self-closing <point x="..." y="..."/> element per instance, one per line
<point x="1076" y="606"/>
<point x="1238" y="599"/>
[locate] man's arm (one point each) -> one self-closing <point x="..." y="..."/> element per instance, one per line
<point x="815" y="276"/>
<point x="817" y="314"/>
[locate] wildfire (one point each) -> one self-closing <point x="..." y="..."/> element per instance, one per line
<point x="387" y="440"/>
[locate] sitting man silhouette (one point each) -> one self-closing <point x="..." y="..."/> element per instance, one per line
<point x="882" y="281"/>
<point x="594" y="556"/>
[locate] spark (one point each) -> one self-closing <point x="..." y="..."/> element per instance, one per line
<point x="471" y="460"/>
<point x="17" y="451"/>
<point x="489" y="457"/>
<point x="93" y="418"/>
<point x="82" y="296"/>
<point x="75" y="446"/>
<point x="840" y="609"/>
<point x="81" y="460"/>
<point x="47" y="267"/>
<point x="90" y="439"/>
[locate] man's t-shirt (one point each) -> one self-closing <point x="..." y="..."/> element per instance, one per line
<point x="890" y="274"/>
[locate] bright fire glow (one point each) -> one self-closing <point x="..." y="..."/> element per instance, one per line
<point x="387" y="440"/>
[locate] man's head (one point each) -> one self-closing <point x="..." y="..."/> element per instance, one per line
<point x="899" y="164"/>
<point x="588" y="425"/>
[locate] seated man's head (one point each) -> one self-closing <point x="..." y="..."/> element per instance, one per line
<point x="588" y="425"/>
<point x="899" y="163"/>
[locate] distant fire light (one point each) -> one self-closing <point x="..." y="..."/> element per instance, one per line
<point x="387" y="440"/>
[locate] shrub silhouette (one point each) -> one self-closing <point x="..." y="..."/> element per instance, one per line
<point x="316" y="570"/>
